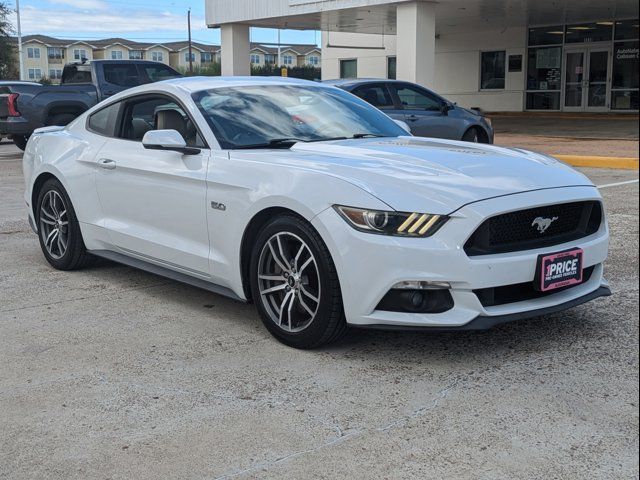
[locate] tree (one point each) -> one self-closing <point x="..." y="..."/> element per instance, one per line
<point x="8" y="68"/>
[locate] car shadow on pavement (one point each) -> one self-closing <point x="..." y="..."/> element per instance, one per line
<point x="536" y="335"/>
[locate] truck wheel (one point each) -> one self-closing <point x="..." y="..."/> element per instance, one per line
<point x="20" y="141"/>
<point x="61" y="119"/>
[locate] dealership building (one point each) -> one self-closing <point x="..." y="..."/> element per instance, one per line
<point x="497" y="55"/>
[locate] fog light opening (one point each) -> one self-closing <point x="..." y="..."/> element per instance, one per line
<point x="425" y="300"/>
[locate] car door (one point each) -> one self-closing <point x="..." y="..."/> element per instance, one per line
<point x="153" y="201"/>
<point x="423" y="112"/>
<point x="378" y="95"/>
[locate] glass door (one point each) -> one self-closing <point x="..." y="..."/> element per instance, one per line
<point x="597" y="91"/>
<point x="574" y="80"/>
<point x="587" y="79"/>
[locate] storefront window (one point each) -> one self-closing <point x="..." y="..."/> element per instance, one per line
<point x="543" y="100"/>
<point x="391" y="68"/>
<point x="544" y="68"/>
<point x="492" y="69"/>
<point x="589" y="32"/>
<point x="546" y="35"/>
<point x="625" y="82"/>
<point x="348" y="68"/>
<point x="627" y="30"/>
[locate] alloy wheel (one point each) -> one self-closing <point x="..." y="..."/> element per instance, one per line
<point x="289" y="282"/>
<point x="54" y="224"/>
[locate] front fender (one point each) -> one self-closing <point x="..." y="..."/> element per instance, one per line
<point x="246" y="188"/>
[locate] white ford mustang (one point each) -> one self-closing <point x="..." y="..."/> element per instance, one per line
<point x="317" y="207"/>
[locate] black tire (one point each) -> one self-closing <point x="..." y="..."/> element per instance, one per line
<point x="20" y="141"/>
<point x="329" y="323"/>
<point x="61" y="119"/>
<point x="472" y="135"/>
<point x="75" y="255"/>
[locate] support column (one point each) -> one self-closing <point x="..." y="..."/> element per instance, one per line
<point x="416" y="42"/>
<point x="234" y="45"/>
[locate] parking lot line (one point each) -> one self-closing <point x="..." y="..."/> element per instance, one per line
<point x="617" y="184"/>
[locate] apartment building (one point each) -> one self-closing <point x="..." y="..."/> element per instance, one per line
<point x="290" y="55"/>
<point x="44" y="56"/>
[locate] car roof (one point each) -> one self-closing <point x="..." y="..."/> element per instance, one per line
<point x="195" y="84"/>
<point x="349" y="82"/>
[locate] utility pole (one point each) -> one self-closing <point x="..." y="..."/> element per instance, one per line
<point x="20" y="61"/>
<point x="190" y="49"/>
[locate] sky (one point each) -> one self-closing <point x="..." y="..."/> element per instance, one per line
<point x="140" y="20"/>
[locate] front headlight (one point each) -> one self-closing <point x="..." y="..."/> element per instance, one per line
<point x="400" y="224"/>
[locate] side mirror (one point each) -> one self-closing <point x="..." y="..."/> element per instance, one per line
<point x="403" y="125"/>
<point x="445" y="107"/>
<point x="168" y="140"/>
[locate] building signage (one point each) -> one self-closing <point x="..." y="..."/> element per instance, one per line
<point x="624" y="52"/>
<point x="515" y="63"/>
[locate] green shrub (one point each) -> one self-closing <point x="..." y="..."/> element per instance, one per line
<point x="306" y="72"/>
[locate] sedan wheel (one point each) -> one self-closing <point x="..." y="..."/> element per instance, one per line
<point x="289" y="282"/>
<point x="471" y="135"/>
<point x="295" y="285"/>
<point x="54" y="224"/>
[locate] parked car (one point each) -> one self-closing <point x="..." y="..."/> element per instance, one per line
<point x="25" y="106"/>
<point x="317" y="207"/>
<point x="426" y="112"/>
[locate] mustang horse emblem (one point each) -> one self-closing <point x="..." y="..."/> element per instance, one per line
<point x="543" y="223"/>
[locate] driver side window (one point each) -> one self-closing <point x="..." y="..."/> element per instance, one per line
<point x="157" y="112"/>
<point x="412" y="98"/>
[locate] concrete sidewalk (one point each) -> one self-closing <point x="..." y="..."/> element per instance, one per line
<point x="562" y="134"/>
<point x="595" y="127"/>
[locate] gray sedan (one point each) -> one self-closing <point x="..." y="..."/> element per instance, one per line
<point x="426" y="113"/>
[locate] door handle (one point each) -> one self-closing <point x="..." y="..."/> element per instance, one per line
<point x="107" y="163"/>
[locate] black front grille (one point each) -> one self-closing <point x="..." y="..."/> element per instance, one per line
<point x="516" y="231"/>
<point x="520" y="292"/>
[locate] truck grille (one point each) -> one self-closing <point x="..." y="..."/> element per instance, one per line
<point x="521" y="230"/>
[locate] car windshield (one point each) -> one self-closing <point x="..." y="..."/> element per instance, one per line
<point x="275" y="116"/>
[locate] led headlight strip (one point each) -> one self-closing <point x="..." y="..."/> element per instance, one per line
<point x="400" y="224"/>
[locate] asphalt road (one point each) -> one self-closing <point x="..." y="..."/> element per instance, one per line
<point x="112" y="373"/>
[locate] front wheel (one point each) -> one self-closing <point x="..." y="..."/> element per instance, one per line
<point x="472" y="135"/>
<point x="295" y="284"/>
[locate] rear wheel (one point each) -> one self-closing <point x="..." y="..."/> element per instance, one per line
<point x="20" y="141"/>
<point x="58" y="228"/>
<point x="295" y="284"/>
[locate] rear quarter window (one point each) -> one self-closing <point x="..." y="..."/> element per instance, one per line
<point x="103" y="122"/>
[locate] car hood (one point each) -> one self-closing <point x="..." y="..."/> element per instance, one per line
<point x="431" y="175"/>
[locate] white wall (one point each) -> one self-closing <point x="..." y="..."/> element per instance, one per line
<point x="457" y="75"/>
<point x="371" y="62"/>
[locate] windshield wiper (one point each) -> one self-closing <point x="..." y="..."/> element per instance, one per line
<point x="285" y="142"/>
<point x="367" y="135"/>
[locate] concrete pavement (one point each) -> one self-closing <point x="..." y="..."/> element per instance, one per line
<point x="113" y="373"/>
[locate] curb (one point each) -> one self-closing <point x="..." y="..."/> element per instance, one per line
<point x="623" y="163"/>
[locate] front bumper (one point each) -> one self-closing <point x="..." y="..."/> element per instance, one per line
<point x="369" y="265"/>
